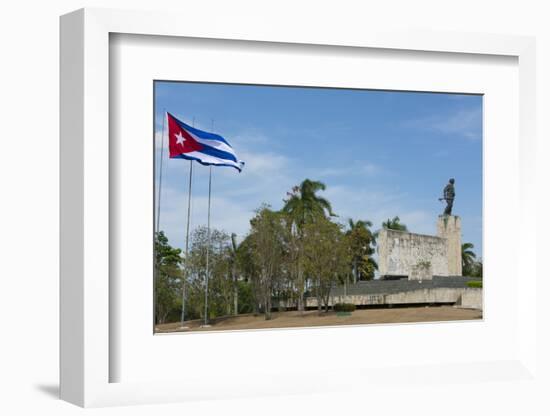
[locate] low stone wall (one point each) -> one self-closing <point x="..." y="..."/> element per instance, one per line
<point x="471" y="298"/>
<point x="449" y="289"/>
<point x="463" y="297"/>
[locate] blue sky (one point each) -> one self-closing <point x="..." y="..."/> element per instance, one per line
<point x="380" y="154"/>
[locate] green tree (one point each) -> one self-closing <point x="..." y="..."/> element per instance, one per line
<point x="327" y="256"/>
<point x="220" y="284"/>
<point x="301" y="207"/>
<point x="361" y="244"/>
<point x="468" y="259"/>
<point x="293" y="262"/>
<point x="477" y="269"/>
<point x="249" y="272"/>
<point x="234" y="248"/>
<point x="168" y="279"/>
<point x="246" y="297"/>
<point x="267" y="229"/>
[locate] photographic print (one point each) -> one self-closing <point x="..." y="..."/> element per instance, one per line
<point x="288" y="206"/>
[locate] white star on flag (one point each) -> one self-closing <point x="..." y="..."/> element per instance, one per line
<point x="179" y="138"/>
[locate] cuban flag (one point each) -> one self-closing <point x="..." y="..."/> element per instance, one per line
<point x="186" y="142"/>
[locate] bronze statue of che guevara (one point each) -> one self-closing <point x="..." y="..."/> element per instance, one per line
<point x="449" y="196"/>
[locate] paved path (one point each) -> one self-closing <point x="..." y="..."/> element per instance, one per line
<point x="311" y="318"/>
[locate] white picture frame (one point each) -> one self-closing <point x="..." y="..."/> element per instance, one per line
<point x="86" y="356"/>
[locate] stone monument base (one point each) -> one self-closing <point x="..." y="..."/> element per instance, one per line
<point x="449" y="227"/>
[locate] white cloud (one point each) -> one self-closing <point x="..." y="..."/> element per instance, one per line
<point x="464" y="123"/>
<point x="265" y="163"/>
<point x="249" y="137"/>
<point x="377" y="206"/>
<point x="226" y="214"/>
<point x="356" y="169"/>
<point x="161" y="141"/>
<point x="419" y="221"/>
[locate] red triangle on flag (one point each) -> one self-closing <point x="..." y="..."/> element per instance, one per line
<point x="179" y="139"/>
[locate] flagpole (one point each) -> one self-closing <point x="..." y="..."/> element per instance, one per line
<point x="208" y="242"/>
<point x="208" y="249"/>
<point x="186" y="265"/>
<point x="185" y="273"/>
<point x="160" y="168"/>
<point x="157" y="266"/>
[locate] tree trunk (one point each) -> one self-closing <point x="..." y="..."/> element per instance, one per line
<point x="327" y="300"/>
<point x="319" y="300"/>
<point x="267" y="306"/>
<point x="345" y="288"/>
<point x="256" y="295"/>
<point x="235" y="295"/>
<point x="301" y="290"/>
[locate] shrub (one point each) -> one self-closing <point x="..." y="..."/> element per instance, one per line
<point x="475" y="283"/>
<point x="344" y="307"/>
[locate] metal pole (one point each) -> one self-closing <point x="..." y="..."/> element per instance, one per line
<point x="207" y="249"/>
<point x="160" y="168"/>
<point x="157" y="231"/>
<point x="208" y="242"/>
<point x="186" y="265"/>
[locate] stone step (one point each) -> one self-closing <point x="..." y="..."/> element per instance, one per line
<point x="402" y="285"/>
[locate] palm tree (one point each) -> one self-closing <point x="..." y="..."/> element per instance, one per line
<point x="468" y="258"/>
<point x="394" y="224"/>
<point x="303" y="204"/>
<point x="358" y="224"/>
<point x="302" y="207"/>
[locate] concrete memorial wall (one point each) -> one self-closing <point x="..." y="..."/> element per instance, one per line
<point x="420" y="256"/>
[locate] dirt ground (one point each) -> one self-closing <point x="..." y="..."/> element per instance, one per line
<point x="294" y="319"/>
